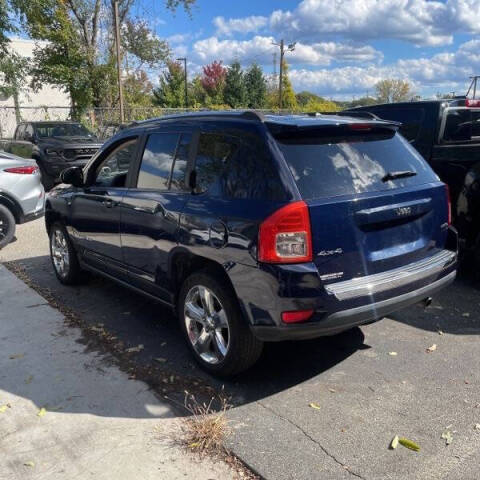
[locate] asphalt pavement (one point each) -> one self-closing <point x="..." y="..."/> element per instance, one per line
<point x="366" y="385"/>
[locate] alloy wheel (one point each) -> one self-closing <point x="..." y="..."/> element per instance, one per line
<point x="60" y="254"/>
<point x="207" y="324"/>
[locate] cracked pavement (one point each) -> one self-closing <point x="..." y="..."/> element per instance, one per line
<point x="366" y="396"/>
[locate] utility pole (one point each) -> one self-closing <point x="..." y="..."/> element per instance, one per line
<point x="290" y="48"/>
<point x="184" y="59"/>
<point x="119" y="61"/>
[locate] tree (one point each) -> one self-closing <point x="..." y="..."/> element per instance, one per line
<point x="255" y="87"/>
<point x="13" y="70"/>
<point x="213" y="81"/>
<point x="76" y="57"/>
<point x="393" y="90"/>
<point x="171" y="91"/>
<point x="138" y="89"/>
<point x="234" y="92"/>
<point x="289" y="101"/>
<point x="5" y="27"/>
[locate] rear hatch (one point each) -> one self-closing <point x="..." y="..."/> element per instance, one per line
<point x="374" y="203"/>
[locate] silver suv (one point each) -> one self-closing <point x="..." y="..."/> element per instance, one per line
<point x="22" y="197"/>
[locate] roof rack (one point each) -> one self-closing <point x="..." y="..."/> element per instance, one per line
<point x="242" y="115"/>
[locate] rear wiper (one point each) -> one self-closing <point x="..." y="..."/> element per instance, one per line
<point x="401" y="174"/>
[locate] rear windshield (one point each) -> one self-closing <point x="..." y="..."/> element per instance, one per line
<point x="324" y="167"/>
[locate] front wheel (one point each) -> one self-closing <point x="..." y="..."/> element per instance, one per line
<point x="63" y="256"/>
<point x="214" y="328"/>
<point x="7" y="226"/>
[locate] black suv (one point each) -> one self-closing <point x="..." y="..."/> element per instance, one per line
<point x="257" y="228"/>
<point x="447" y="134"/>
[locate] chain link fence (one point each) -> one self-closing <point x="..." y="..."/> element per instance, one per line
<point x="97" y="120"/>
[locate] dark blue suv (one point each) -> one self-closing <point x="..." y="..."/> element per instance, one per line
<point x="257" y="228"/>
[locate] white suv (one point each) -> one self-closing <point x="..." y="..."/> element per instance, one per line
<point x="22" y="197"/>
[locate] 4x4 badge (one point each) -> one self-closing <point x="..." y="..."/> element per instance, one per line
<point x="326" y="253"/>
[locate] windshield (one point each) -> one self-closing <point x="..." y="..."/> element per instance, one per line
<point x="62" y="130"/>
<point x="324" y="167"/>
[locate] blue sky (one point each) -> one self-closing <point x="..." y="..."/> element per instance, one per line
<point x="343" y="46"/>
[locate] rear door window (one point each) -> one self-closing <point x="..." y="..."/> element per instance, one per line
<point x="237" y="168"/>
<point x="462" y="125"/>
<point x="331" y="166"/>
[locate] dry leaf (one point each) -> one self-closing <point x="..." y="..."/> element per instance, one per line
<point x="440" y="332"/>
<point x="394" y="443"/>
<point x="29" y="464"/>
<point x="3" y="408"/>
<point x="160" y="360"/>
<point x="136" y="349"/>
<point x="466" y="314"/>
<point x="447" y="436"/>
<point x="432" y="348"/>
<point x="331" y="390"/>
<point x="29" y="379"/>
<point x="393" y="354"/>
<point x="41" y="412"/>
<point x="477" y="426"/>
<point x="409" y="444"/>
<point x="16" y="356"/>
<point x="314" y="405"/>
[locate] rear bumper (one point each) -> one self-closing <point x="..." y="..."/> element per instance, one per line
<point x="343" y="320"/>
<point x="268" y="290"/>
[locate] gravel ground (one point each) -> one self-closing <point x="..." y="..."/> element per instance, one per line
<point x="365" y="394"/>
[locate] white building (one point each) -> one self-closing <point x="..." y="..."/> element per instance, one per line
<point x="33" y="105"/>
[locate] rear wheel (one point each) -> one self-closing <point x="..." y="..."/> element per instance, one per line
<point x="7" y="226"/>
<point x="216" y="333"/>
<point x="63" y="256"/>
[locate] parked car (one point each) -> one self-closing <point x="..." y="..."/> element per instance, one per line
<point x="257" y="228"/>
<point x="447" y="134"/>
<point x="110" y="129"/>
<point x="54" y="146"/>
<point x="22" y="196"/>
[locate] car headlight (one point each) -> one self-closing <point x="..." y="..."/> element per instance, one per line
<point x="54" y="151"/>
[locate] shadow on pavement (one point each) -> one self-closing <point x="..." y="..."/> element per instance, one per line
<point x="139" y="321"/>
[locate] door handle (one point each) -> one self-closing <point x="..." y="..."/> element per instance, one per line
<point x="108" y="203"/>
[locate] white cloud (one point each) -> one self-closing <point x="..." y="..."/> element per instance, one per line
<point x="239" y="25"/>
<point x="260" y="49"/>
<point x="444" y="71"/>
<point x="421" y="22"/>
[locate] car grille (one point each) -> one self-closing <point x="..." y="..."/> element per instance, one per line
<point x="79" y="153"/>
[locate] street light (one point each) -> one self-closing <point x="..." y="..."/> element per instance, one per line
<point x="184" y="60"/>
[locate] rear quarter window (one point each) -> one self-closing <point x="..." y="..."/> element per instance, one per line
<point x="325" y="167"/>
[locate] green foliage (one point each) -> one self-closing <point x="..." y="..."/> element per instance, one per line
<point x="289" y="101"/>
<point x="255" y="87"/>
<point x="171" y="91"/>
<point x="138" y="89"/>
<point x="393" y="90"/>
<point x="5" y="26"/>
<point x="320" y="106"/>
<point x="234" y="92"/>
<point x="137" y="40"/>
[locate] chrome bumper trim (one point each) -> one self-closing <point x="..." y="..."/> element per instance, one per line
<point x="398" y="277"/>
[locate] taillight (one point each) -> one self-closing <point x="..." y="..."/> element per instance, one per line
<point x="296" y="316"/>
<point x="27" y="170"/>
<point x="286" y="236"/>
<point x="472" y="103"/>
<point x="449" y="205"/>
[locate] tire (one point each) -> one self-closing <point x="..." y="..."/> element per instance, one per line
<point x="63" y="256"/>
<point x="239" y="349"/>
<point x="7" y="226"/>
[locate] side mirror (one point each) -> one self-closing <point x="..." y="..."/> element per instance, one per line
<point x="72" y="176"/>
